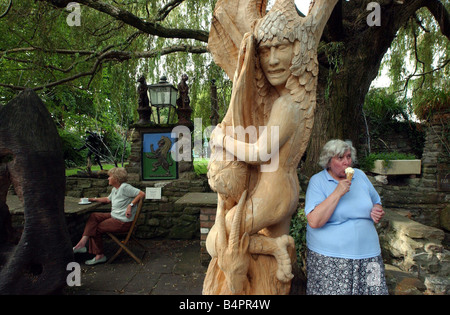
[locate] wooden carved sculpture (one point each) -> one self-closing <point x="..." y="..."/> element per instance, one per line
<point x="272" y="59"/>
<point x="234" y="257"/>
<point x="31" y="159"/>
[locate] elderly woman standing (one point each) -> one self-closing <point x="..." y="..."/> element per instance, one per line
<point x="344" y="255"/>
<point x="124" y="199"/>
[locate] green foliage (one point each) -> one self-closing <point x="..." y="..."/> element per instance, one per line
<point x="46" y="49"/>
<point x="94" y="168"/>
<point x="418" y="58"/>
<point x="298" y="232"/>
<point x="111" y="151"/>
<point x="201" y="166"/>
<point x="382" y="106"/>
<point x="432" y="101"/>
<point x="368" y="163"/>
<point x="386" y="114"/>
<point x="71" y="140"/>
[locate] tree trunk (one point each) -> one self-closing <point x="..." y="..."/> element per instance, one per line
<point x="344" y="84"/>
<point x="35" y="166"/>
<point x="339" y="110"/>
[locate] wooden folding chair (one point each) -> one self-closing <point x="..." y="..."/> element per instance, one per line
<point x="128" y="237"/>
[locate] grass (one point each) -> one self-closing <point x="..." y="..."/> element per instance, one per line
<point x="73" y="171"/>
<point x="200" y="167"/>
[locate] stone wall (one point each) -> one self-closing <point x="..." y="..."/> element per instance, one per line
<point x="424" y="198"/>
<point x="160" y="218"/>
<point x="417" y="249"/>
<point x="165" y="218"/>
<point x="403" y="137"/>
<point x="207" y="205"/>
<point x="415" y="231"/>
<point x="79" y="187"/>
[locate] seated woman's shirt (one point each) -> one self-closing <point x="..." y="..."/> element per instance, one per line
<point x="120" y="199"/>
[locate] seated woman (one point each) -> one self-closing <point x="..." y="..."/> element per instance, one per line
<point x="124" y="199"/>
<point x="344" y="255"/>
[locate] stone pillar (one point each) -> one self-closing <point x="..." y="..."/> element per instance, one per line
<point x="436" y="168"/>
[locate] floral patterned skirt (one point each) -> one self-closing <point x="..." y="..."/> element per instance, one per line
<point x="341" y="276"/>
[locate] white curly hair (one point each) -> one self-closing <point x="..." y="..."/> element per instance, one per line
<point x="334" y="148"/>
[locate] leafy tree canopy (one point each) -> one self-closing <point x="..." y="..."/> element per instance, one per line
<point x="87" y="74"/>
<point x="417" y="64"/>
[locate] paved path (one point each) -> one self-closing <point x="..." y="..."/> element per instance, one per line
<point x="170" y="267"/>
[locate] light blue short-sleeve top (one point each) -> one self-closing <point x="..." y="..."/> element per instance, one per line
<point x="350" y="232"/>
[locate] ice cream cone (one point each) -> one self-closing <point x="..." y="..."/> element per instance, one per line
<point x="349" y="172"/>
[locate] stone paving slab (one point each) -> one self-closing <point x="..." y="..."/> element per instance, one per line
<point x="199" y="198"/>
<point x="169" y="267"/>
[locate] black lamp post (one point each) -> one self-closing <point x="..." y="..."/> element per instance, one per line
<point x="163" y="94"/>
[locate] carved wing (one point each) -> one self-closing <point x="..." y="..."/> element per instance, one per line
<point x="231" y="20"/>
<point x="305" y="66"/>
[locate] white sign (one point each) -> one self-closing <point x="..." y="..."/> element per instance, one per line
<point x="153" y="193"/>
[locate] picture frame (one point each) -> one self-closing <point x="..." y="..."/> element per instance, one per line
<point x="156" y="158"/>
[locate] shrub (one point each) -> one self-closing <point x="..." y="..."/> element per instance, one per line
<point x="382" y="106"/>
<point x="70" y="141"/>
<point x="201" y="166"/>
<point x="433" y="101"/>
<point x="298" y="232"/>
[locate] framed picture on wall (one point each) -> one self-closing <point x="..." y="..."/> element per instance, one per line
<point x="157" y="161"/>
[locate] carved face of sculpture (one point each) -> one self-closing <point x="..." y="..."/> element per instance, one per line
<point x="276" y="57"/>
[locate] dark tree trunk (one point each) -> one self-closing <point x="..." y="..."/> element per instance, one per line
<point x="344" y="84"/>
<point x="31" y="155"/>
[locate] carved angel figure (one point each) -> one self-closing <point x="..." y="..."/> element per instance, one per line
<point x="273" y="61"/>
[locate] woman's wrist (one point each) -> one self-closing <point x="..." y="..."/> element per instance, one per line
<point x="377" y="206"/>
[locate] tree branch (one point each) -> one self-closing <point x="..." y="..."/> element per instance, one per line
<point x="150" y="28"/>
<point x="409" y="77"/>
<point x="163" y="12"/>
<point x="58" y="51"/>
<point x="334" y="24"/>
<point x="109" y="56"/>
<point x="440" y="14"/>
<point x="7" y="9"/>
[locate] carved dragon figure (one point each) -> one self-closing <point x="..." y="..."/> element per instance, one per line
<point x="234" y="252"/>
<point x="234" y="257"/>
